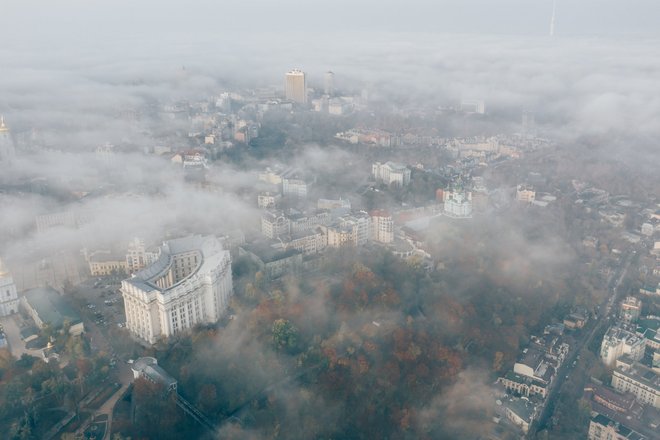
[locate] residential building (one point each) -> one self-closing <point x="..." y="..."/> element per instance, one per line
<point x="523" y="385"/>
<point x="647" y="229"/>
<point x="473" y="106"/>
<point x="104" y="263"/>
<point x="535" y="364"/>
<point x="641" y="381"/>
<point x="348" y="230"/>
<point x="391" y="173"/>
<point x="296" y="86"/>
<point x="8" y="295"/>
<point x="333" y="204"/>
<point x="273" y="263"/>
<point x="308" y="242"/>
<point x="275" y="224"/>
<point x="304" y="222"/>
<point x="648" y="328"/>
<point x="619" y="341"/>
<point x="294" y="187"/>
<point x="520" y="411"/>
<point x="630" y="309"/>
<point x="271" y="176"/>
<point x="382" y="227"/>
<point x="267" y="199"/>
<point x="47" y="306"/>
<point x="137" y="256"/>
<point x="525" y="193"/>
<point x="189" y="284"/>
<point x="602" y="427"/>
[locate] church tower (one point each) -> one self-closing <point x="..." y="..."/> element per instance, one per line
<point x="8" y="294"/>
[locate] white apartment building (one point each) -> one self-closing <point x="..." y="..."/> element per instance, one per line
<point x="630" y="309"/>
<point x="618" y="342"/>
<point x="308" y="242"/>
<point x="350" y="230"/>
<point x="275" y="224"/>
<point x="267" y="199"/>
<point x="294" y="187"/>
<point x="382" y="227"/>
<point x="641" y="381"/>
<point x="305" y="222"/>
<point x="602" y="427"/>
<point x="137" y="256"/>
<point x="8" y="294"/>
<point x="189" y="284"/>
<point x="390" y="173"/>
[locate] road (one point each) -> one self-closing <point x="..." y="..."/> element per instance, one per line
<point x="597" y="327"/>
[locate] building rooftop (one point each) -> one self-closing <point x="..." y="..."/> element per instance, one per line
<point x="522" y="407"/>
<point x="638" y="372"/>
<point x="621" y="429"/>
<point x="51" y="306"/>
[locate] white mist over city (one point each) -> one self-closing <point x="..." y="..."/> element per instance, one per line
<point x="330" y="220"/>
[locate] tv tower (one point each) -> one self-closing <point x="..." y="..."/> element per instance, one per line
<point x="552" y="20"/>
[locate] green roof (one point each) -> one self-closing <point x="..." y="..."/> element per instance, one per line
<point x="51" y="306"/>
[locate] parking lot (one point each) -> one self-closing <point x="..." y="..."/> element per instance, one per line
<point x="101" y="302"/>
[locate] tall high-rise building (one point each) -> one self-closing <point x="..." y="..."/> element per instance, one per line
<point x="6" y="143"/>
<point x="329" y="83"/>
<point x="296" y="86"/>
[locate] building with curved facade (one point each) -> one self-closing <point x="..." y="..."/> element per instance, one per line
<point x="189" y="284"/>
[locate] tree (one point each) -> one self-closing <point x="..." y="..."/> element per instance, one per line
<point x="285" y="335"/>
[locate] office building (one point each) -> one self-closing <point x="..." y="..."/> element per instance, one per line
<point x="329" y="83"/>
<point x="189" y="284"/>
<point x="296" y="86"/>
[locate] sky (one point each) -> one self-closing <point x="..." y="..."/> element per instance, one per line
<point x="92" y="21"/>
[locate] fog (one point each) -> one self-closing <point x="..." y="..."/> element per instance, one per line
<point x="71" y="69"/>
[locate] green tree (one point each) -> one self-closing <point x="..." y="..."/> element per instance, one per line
<point x="285" y="335"/>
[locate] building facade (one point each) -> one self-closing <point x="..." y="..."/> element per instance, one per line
<point x="391" y="173"/>
<point x="275" y="224"/>
<point x="189" y="284"/>
<point x="525" y="193"/>
<point x="458" y="204"/>
<point x="641" y="381"/>
<point x="296" y="86"/>
<point x="618" y="342"/>
<point x="8" y="295"/>
<point x="382" y="227"/>
<point x="602" y="427"/>
<point x="630" y="309"/>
